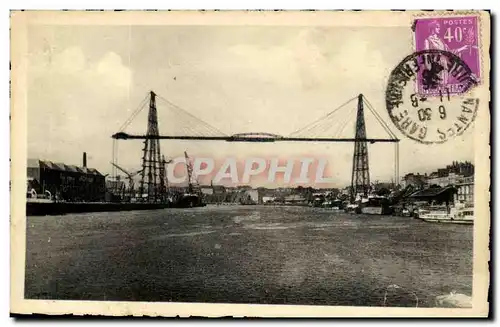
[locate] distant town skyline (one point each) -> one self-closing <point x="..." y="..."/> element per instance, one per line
<point x="84" y="82"/>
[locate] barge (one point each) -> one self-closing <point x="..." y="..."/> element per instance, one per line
<point x="47" y="208"/>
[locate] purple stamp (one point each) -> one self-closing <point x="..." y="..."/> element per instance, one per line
<point x="457" y="36"/>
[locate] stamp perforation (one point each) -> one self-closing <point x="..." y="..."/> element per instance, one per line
<point x="453" y="14"/>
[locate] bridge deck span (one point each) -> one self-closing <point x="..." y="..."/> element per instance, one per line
<point x="243" y="138"/>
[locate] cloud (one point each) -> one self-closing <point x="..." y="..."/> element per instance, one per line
<point x="310" y="61"/>
<point x="72" y="63"/>
<point x="113" y="72"/>
<point x="74" y="103"/>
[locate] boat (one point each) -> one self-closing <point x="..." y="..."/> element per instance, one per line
<point x="335" y="205"/>
<point x="186" y="200"/>
<point x="458" y="214"/>
<point x="352" y="208"/>
<point x="374" y="205"/>
<point x="44" y="207"/>
<point x="193" y="196"/>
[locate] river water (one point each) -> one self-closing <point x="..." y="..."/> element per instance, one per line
<point x="246" y="254"/>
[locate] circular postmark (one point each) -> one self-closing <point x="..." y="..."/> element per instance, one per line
<point x="426" y="96"/>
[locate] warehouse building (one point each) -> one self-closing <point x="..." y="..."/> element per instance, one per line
<point x="65" y="182"/>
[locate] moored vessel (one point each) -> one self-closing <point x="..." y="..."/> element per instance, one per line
<point x="458" y="214"/>
<point x="370" y="205"/>
<point x="193" y="196"/>
<point x="47" y="207"/>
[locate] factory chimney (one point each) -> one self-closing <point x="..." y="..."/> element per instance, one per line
<point x="85" y="160"/>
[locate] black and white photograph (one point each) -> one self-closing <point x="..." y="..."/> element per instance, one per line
<point x="250" y="163"/>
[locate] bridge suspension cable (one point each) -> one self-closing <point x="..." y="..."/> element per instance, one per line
<point x="379" y="119"/>
<point x="193" y="128"/>
<point x="333" y="125"/>
<point x="322" y="120"/>
<point x="134" y="114"/>
<point x="129" y="120"/>
<point x="192" y="122"/>
<point x="388" y="130"/>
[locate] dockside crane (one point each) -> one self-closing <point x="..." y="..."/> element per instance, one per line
<point x="192" y="187"/>
<point x="163" y="173"/>
<point x="130" y="177"/>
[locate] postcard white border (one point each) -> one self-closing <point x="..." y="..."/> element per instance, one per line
<point x="20" y="20"/>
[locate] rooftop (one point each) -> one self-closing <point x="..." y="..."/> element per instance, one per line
<point x="36" y="163"/>
<point x="432" y="192"/>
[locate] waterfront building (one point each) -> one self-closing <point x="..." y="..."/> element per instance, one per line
<point x="465" y="190"/>
<point x="444" y="180"/>
<point x="219" y="189"/>
<point x="460" y="175"/>
<point x="452" y="174"/>
<point x="435" y="195"/>
<point x="207" y="190"/>
<point x="295" y="199"/>
<point x="66" y="182"/>
<point x="416" y="180"/>
<point x="461" y="168"/>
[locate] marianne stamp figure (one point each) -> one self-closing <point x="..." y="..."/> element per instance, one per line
<point x="454" y="35"/>
<point x="435" y="42"/>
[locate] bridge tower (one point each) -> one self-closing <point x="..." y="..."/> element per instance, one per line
<point x="152" y="186"/>
<point x="360" y="182"/>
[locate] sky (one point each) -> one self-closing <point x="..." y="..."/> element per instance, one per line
<point x="85" y="81"/>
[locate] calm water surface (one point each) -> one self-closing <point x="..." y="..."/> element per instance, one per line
<point x="246" y="254"/>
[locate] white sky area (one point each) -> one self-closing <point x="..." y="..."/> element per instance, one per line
<point x="85" y="81"/>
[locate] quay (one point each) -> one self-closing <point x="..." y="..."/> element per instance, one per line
<point x="39" y="208"/>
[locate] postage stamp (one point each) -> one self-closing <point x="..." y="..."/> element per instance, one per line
<point x="250" y="164"/>
<point x="457" y="35"/>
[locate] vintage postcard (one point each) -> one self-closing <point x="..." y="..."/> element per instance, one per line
<point x="252" y="163"/>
